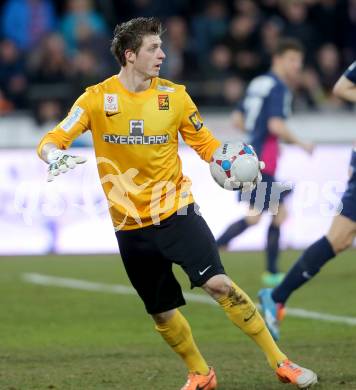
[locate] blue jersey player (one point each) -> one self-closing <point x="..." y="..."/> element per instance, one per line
<point x="339" y="237"/>
<point x="263" y="115"/>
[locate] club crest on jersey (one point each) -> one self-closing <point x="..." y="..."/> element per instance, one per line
<point x="137" y="136"/>
<point x="111" y="102"/>
<point x="163" y="102"/>
<point x="196" y="120"/>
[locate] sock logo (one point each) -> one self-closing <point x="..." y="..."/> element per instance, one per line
<point x="249" y="317"/>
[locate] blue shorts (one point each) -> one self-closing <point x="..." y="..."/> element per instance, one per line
<point x="349" y="198"/>
<point x="268" y="194"/>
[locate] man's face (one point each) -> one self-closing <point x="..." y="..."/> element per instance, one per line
<point x="291" y="62"/>
<point x="149" y="57"/>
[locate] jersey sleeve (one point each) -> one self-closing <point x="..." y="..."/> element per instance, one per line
<point x="277" y="104"/>
<point x="76" y="123"/>
<point x="350" y="72"/>
<point x="194" y="133"/>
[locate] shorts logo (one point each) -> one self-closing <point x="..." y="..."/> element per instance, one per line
<point x="111" y="102"/>
<point x="196" y="121"/>
<point x="204" y="270"/>
<point x="137" y="136"/>
<point x="163" y="102"/>
<point x="72" y="118"/>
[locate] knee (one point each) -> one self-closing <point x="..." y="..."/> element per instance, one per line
<point x="162" y="318"/>
<point x="341" y="242"/>
<point x="253" y="219"/>
<point x="218" y="286"/>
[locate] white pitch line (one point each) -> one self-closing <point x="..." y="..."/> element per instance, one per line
<point x="78" y="284"/>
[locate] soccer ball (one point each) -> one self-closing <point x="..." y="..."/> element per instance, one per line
<point x="235" y="166"/>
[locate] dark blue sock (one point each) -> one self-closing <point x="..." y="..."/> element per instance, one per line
<point x="272" y="248"/>
<point x="232" y="231"/>
<point x="307" y="266"/>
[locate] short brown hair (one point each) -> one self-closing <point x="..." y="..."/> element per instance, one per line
<point x="286" y="44"/>
<point x="129" y="35"/>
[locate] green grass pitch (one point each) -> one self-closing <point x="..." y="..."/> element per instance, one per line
<point x="60" y="338"/>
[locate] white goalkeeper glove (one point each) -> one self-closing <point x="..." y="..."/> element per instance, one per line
<point x="258" y="179"/>
<point x="60" y="161"/>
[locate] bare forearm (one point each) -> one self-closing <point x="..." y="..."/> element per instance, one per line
<point x="347" y="94"/>
<point x="278" y="127"/>
<point x="345" y="89"/>
<point x="281" y="130"/>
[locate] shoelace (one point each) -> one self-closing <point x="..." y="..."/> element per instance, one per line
<point x="293" y="367"/>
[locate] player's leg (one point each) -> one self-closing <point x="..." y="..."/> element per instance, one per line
<point x="237" y="228"/>
<point x="339" y="238"/>
<point x="175" y="330"/>
<point x="200" y="259"/>
<point x="272" y="277"/>
<point x="257" y="203"/>
<point x="275" y="196"/>
<point x="151" y="275"/>
<point x="243" y="313"/>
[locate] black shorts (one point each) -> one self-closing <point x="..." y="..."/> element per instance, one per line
<point x="148" y="255"/>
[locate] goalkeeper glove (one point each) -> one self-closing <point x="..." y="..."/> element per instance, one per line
<point x="258" y="179"/>
<point x="60" y="161"/>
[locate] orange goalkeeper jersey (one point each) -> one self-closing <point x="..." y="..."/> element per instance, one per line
<point x="135" y="137"/>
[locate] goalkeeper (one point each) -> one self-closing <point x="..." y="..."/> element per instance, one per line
<point x="135" y="118"/>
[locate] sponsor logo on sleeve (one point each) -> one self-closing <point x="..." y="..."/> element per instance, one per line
<point x="165" y="88"/>
<point x="163" y="102"/>
<point x="196" y="121"/>
<point x="72" y="118"/>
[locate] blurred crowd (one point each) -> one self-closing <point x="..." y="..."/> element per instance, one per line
<point x="51" y="50"/>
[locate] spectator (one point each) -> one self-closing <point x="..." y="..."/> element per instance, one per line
<point x="247" y="7"/>
<point x="297" y="25"/>
<point x="85" y="72"/>
<point x="233" y="89"/>
<point x="326" y="17"/>
<point x="13" y="83"/>
<point x="310" y="94"/>
<point x="80" y="16"/>
<point x="97" y="44"/>
<point x="208" y="43"/>
<point x="242" y="39"/>
<point x="181" y="61"/>
<point x="209" y="28"/>
<point x="26" y="21"/>
<point x="329" y="69"/>
<point x="49" y="72"/>
<point x="147" y="8"/>
<point x="271" y="32"/>
<point x="349" y="31"/>
<point x="220" y="65"/>
<point x="270" y="8"/>
<point x="218" y="70"/>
